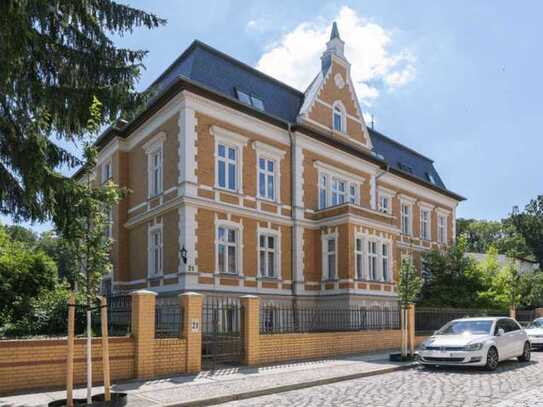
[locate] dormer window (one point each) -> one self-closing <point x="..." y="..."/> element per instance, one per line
<point x="251" y="100"/>
<point x="405" y="167"/>
<point x="431" y="178"/>
<point x="338" y="118"/>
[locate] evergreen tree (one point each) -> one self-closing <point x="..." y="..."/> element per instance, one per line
<point x="55" y="56"/>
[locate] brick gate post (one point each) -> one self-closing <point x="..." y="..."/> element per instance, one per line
<point x="192" y="329"/>
<point x="143" y="331"/>
<point x="251" y="329"/>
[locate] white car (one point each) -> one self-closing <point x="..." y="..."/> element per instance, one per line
<point x="535" y="333"/>
<point x="476" y="342"/>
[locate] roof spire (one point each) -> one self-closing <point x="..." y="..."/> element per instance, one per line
<point x="335" y="31"/>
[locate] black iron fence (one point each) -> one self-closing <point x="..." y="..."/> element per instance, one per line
<point x="428" y="320"/>
<point x="119" y="315"/>
<point x="168" y="318"/>
<point x="525" y="317"/>
<point x="275" y="319"/>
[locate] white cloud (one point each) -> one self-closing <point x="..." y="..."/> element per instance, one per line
<point x="295" y="57"/>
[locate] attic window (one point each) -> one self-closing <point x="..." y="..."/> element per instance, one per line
<point x="250" y="100"/>
<point x="430" y="178"/>
<point x="405" y="167"/>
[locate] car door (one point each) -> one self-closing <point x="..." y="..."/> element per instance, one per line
<point x="503" y="342"/>
<point x="517" y="337"/>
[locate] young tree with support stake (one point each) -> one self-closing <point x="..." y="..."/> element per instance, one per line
<point x="86" y="236"/>
<point x="409" y="287"/>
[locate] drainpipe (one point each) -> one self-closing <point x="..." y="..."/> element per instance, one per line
<point x="293" y="197"/>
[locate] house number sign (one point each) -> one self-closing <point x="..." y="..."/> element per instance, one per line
<point x="195" y="325"/>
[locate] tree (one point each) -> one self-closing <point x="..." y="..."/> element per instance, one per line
<point x="24" y="274"/>
<point x="531" y="290"/>
<point x="530" y="225"/>
<point x="55" y="56"/>
<point x="409" y="288"/>
<point x="453" y="279"/>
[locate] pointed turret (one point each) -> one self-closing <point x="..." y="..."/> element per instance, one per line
<point x="333" y="47"/>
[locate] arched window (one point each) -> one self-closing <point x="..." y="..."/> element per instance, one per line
<point x="338" y="117"/>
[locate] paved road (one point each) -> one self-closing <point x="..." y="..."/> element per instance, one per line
<point x="513" y="384"/>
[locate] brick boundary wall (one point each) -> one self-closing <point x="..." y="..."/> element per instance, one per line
<point x="41" y="363"/>
<point x="36" y="364"/>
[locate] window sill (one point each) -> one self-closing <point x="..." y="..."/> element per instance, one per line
<point x="274" y="279"/>
<point x="230" y="191"/>
<point x="230" y="275"/>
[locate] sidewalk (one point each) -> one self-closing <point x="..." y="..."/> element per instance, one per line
<point x="222" y="385"/>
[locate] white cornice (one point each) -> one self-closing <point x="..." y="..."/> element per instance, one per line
<point x="333" y="170"/>
<point x="222" y="133"/>
<point x="268" y="149"/>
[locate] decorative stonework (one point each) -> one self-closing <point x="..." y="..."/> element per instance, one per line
<point x="340" y="82"/>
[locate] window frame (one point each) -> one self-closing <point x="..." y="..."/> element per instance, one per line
<point x="326" y="253"/>
<point x="227" y="162"/>
<point x="339" y="110"/>
<point x="233" y="140"/>
<point x="152" y="147"/>
<point x="238" y="230"/>
<point x="156" y="229"/>
<point x="359" y="253"/>
<point x="276" y="235"/>
<point x="373" y="256"/>
<point x="328" y="173"/>
<point x="425" y="223"/>
<point x="442" y="228"/>
<point x="385" y="262"/>
<point x="107" y="175"/>
<point x="406" y="226"/>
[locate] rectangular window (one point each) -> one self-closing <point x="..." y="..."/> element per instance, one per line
<point x="155" y="252"/>
<point x="227" y="167"/>
<point x="227" y="240"/>
<point x="425" y="224"/>
<point x="352" y="193"/>
<point x="338" y="191"/>
<point x="266" y="178"/>
<point x="406" y="219"/>
<point x="323" y="181"/>
<point x="359" y="256"/>
<point x="442" y="229"/>
<point x="338" y="119"/>
<point x="107" y="171"/>
<point x="155" y="172"/>
<point x="268" y="251"/>
<point x="384" y="204"/>
<point x="372" y="260"/>
<point x="330" y="258"/>
<point x="384" y="258"/>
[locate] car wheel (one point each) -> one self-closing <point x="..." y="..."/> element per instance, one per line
<point x="526" y="353"/>
<point x="492" y="359"/>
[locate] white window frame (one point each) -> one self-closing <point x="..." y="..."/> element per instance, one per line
<point x="154" y="147"/>
<point x="153" y="230"/>
<point x="406" y="223"/>
<point x="384" y="194"/>
<point x="109" y="220"/>
<point x="442" y="228"/>
<point x="238" y="247"/>
<point x="232" y="140"/>
<point x="107" y="170"/>
<point x="269" y="153"/>
<point x="276" y="235"/>
<point x="373" y="255"/>
<point x="360" y="273"/>
<point x="326" y="254"/>
<point x="338" y="193"/>
<point x="330" y="173"/>
<point x="338" y="108"/>
<point x="385" y="259"/>
<point x="425" y="223"/>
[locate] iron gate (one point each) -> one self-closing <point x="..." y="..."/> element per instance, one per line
<point x="222" y="325"/>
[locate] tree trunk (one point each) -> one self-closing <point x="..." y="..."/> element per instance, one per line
<point x="89" y="356"/>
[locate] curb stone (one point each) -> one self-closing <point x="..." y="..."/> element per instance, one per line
<point x="290" y="387"/>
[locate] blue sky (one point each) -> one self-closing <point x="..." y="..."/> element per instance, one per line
<point x="457" y="81"/>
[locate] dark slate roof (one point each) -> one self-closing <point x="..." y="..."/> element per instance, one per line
<point x="221" y="73"/>
<point x="403" y="158"/>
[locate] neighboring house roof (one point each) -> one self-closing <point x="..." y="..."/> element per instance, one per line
<point x="523" y="265"/>
<point x="218" y="72"/>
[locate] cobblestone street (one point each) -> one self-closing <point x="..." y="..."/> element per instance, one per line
<point x="512" y="384"/>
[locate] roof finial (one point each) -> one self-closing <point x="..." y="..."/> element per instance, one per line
<point x="335" y="31"/>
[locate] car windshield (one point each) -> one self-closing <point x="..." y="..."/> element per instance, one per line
<point x="538" y="323"/>
<point x="466" y="328"/>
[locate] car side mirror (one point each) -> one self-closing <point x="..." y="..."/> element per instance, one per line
<point x="500" y="332"/>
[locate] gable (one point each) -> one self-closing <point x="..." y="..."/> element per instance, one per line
<point x="330" y="89"/>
